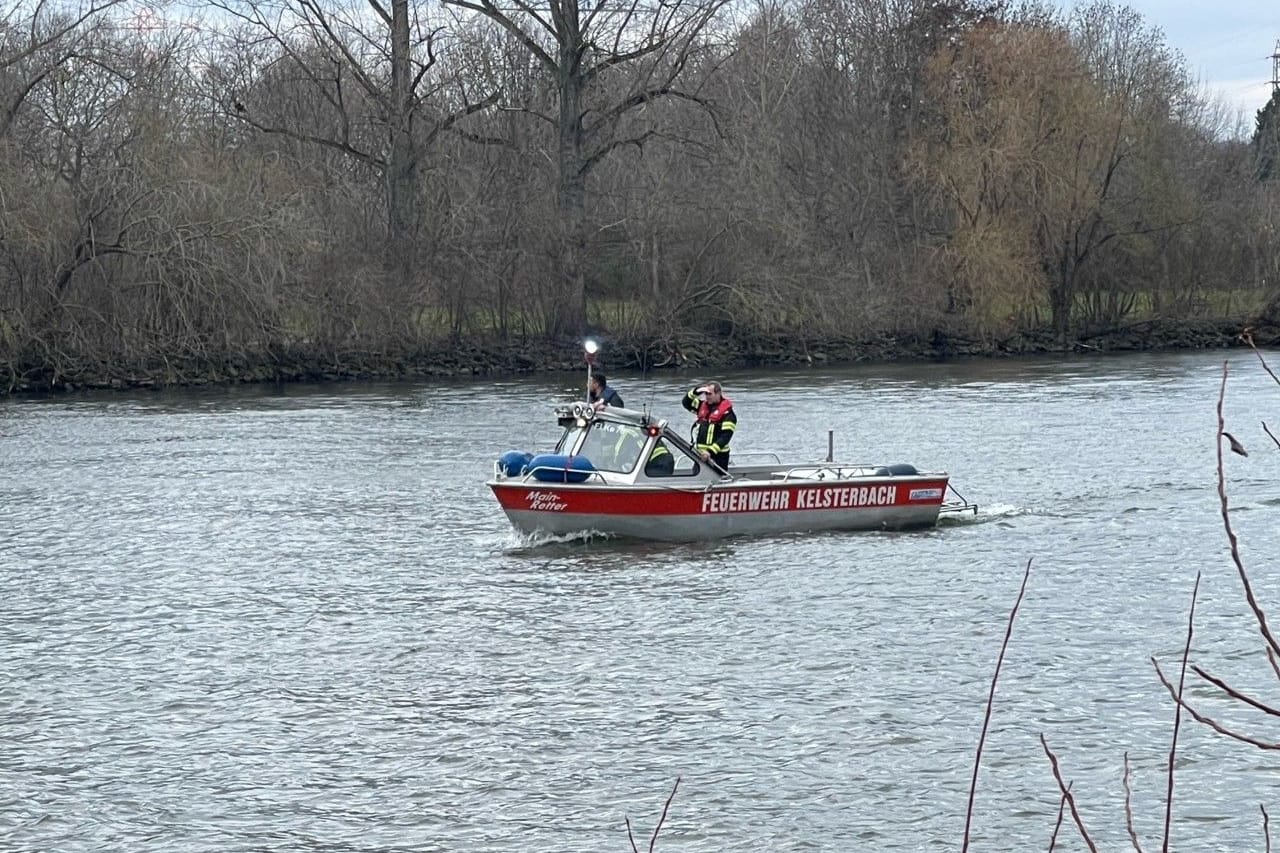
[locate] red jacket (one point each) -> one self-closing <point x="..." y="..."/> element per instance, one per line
<point x="714" y="425"/>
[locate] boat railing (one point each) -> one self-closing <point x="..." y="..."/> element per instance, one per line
<point x="757" y="454"/>
<point x="957" y="503"/>
<point x="826" y="472"/>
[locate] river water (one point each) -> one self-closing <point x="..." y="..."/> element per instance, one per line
<point x="294" y="619"/>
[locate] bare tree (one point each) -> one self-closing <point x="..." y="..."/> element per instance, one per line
<point x="1048" y="153"/>
<point x="1132" y="80"/>
<point x="381" y="98"/>
<point x="35" y="42"/>
<point x="579" y="47"/>
<point x="1000" y="100"/>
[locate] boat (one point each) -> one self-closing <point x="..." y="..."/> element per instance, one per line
<point x="624" y="473"/>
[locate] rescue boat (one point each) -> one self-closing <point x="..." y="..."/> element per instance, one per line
<point x="619" y="472"/>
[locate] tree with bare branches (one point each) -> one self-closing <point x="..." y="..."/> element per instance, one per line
<point x="1048" y="152"/>
<point x="585" y="50"/>
<point x="380" y="96"/>
<point x="38" y="42"/>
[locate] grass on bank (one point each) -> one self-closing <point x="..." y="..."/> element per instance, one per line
<point x="645" y="315"/>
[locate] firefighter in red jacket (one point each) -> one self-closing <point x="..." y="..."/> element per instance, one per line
<point x="715" y="423"/>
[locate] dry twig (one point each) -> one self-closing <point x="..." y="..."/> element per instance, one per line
<point x="1207" y="720"/>
<point x="1267" y="430"/>
<point x="1234" y="693"/>
<point x="653" y="840"/>
<point x="991" y="697"/>
<point x="1057" y="826"/>
<point x="1177" y="714"/>
<point x="1258" y="613"/>
<point x="1066" y="795"/>
<point x="1128" y="807"/>
<point x="1247" y="337"/>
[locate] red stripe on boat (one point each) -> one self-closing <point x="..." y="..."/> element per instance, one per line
<point x="624" y="500"/>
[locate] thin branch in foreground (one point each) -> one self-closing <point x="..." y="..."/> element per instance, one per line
<point x="1247" y="337"/>
<point x="1066" y="795"/>
<point x="1267" y="430"/>
<point x="1274" y="661"/>
<point x="991" y="698"/>
<point x="1239" y="696"/>
<point x="1057" y="826"/>
<point x="663" y="817"/>
<point x="1128" y="806"/>
<point x="630" y="837"/>
<point x="653" y="840"/>
<point x="1205" y="719"/>
<point x="1266" y="827"/>
<point x="1258" y="612"/>
<point x="1177" y="713"/>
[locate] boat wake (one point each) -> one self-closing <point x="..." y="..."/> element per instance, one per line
<point x="984" y="515"/>
<point x="524" y="542"/>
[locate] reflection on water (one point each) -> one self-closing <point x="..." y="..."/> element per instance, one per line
<point x="294" y="618"/>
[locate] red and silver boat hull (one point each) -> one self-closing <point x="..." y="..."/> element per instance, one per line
<point x="731" y="508"/>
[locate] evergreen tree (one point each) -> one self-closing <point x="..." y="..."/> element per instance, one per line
<point x="1266" y="140"/>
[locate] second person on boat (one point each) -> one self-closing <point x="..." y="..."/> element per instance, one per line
<point x="714" y="422"/>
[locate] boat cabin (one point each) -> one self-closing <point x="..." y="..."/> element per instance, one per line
<point x="629" y="447"/>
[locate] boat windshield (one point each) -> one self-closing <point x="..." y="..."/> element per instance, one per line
<point x="569" y="440"/>
<point x="609" y="446"/>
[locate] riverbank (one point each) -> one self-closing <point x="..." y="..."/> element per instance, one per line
<point x="686" y="351"/>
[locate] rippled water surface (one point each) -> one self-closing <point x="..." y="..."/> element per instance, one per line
<point x="294" y="619"/>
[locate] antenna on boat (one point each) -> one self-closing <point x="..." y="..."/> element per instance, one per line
<point x="589" y="350"/>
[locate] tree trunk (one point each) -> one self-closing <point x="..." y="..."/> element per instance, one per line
<point x="569" y="314"/>
<point x="1061" y="297"/>
<point x="402" y="162"/>
<point x="655" y="279"/>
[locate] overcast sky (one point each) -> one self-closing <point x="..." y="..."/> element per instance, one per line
<point x="1227" y="43"/>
